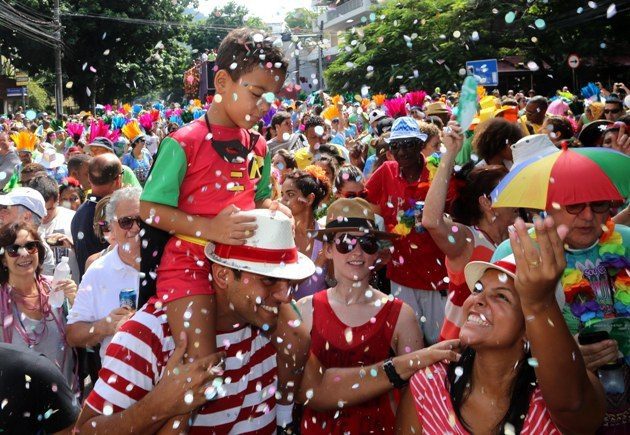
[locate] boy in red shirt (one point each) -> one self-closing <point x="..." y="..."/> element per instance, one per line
<point x="205" y="173"/>
<point x="398" y="188"/>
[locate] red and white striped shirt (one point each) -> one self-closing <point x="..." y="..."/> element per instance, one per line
<point x="137" y="356"/>
<point x="437" y="416"/>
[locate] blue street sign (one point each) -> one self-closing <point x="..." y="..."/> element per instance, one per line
<point x="486" y="71"/>
<point x="16" y="92"/>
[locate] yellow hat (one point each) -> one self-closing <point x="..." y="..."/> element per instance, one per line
<point x="488" y="102"/>
<point x="485" y="114"/>
<point x="132" y="131"/>
<point x="24" y="141"/>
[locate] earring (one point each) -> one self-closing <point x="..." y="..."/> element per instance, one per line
<point x="526" y="346"/>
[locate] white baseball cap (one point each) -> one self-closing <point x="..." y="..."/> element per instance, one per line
<point x="375" y="115"/>
<point x="271" y="251"/>
<point x="26" y="197"/>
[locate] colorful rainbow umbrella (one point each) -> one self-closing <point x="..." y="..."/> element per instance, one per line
<point x="569" y="176"/>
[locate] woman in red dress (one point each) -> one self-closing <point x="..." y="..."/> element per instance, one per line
<point x="355" y="329"/>
<point x="521" y="371"/>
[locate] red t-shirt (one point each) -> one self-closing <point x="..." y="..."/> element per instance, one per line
<point x="417" y="262"/>
<point x="192" y="175"/>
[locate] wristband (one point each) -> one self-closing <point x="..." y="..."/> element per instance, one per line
<point x="284" y="414"/>
<point x="392" y="374"/>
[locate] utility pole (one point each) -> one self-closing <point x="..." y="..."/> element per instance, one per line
<point x="320" y="68"/>
<point x="58" y="72"/>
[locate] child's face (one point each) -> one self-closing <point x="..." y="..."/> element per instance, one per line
<point x="246" y="100"/>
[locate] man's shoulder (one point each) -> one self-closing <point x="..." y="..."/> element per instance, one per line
<point x="149" y="324"/>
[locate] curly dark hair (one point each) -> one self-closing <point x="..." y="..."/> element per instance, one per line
<point x="8" y="235"/>
<point x="492" y="136"/>
<point x="561" y="127"/>
<point x="308" y="183"/>
<point x="244" y="48"/>
<point x="478" y="181"/>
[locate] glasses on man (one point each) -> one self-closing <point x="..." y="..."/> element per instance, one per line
<point x="126" y="223"/>
<point x="615" y="111"/>
<point x="404" y="144"/>
<point x="346" y="243"/>
<point x="30" y="247"/>
<point x="596" y="207"/>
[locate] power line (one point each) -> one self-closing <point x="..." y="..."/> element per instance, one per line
<point x="151" y="22"/>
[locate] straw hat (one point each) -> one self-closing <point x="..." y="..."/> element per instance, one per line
<point x="350" y="214"/>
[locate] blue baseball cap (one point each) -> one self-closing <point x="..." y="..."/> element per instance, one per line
<point x="406" y="128"/>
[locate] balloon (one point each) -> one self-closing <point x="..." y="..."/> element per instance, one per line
<point x="31" y="115"/>
<point x="467" y="107"/>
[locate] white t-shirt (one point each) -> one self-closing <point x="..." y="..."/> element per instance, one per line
<point x="100" y="288"/>
<point x="61" y="225"/>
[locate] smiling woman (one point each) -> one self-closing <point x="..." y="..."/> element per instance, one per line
<point x="515" y="345"/>
<point x="28" y="320"/>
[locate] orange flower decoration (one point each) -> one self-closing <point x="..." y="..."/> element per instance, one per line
<point x="379" y="99"/>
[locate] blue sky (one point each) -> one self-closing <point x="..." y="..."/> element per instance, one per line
<point x="271" y="11"/>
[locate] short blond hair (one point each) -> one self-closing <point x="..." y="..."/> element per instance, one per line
<point x="431" y="130"/>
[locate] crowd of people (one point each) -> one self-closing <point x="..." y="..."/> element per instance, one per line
<point x="256" y="264"/>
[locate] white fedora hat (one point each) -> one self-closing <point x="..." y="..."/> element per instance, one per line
<point x="535" y="145"/>
<point x="271" y="251"/>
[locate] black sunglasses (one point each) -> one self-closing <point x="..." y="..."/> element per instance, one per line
<point x="612" y="111"/>
<point x="126" y="223"/>
<point x="31" y="247"/>
<point x="360" y="194"/>
<point x="404" y="144"/>
<point x="345" y="243"/>
<point x="596" y="207"/>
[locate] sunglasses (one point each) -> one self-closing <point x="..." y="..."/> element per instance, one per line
<point x="360" y="194"/>
<point x="596" y="207"/>
<point x="403" y="144"/>
<point x="606" y="111"/>
<point x="126" y="223"/>
<point x="345" y="243"/>
<point x="31" y="247"/>
<point x="104" y="226"/>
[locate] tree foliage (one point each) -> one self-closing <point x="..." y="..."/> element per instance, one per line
<point x="108" y="59"/>
<point x="424" y="44"/>
<point x="210" y="31"/>
<point x="300" y="19"/>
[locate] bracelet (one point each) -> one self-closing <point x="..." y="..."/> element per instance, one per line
<point x="392" y="374"/>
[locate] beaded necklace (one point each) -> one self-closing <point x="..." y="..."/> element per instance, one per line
<point x="578" y="291"/>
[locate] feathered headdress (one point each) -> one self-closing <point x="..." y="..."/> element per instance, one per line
<point x="176" y="119"/>
<point x="396" y="107"/>
<point x="155" y="115"/>
<point x="56" y="124"/>
<point x="24" y="141"/>
<point x="100" y="129"/>
<point x="416" y="99"/>
<point x="126" y="108"/>
<point x="137" y="108"/>
<point x="379" y="99"/>
<point x="132" y="131"/>
<point x="330" y="112"/>
<point x="74" y="130"/>
<point x="118" y="122"/>
<point x="146" y="121"/>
